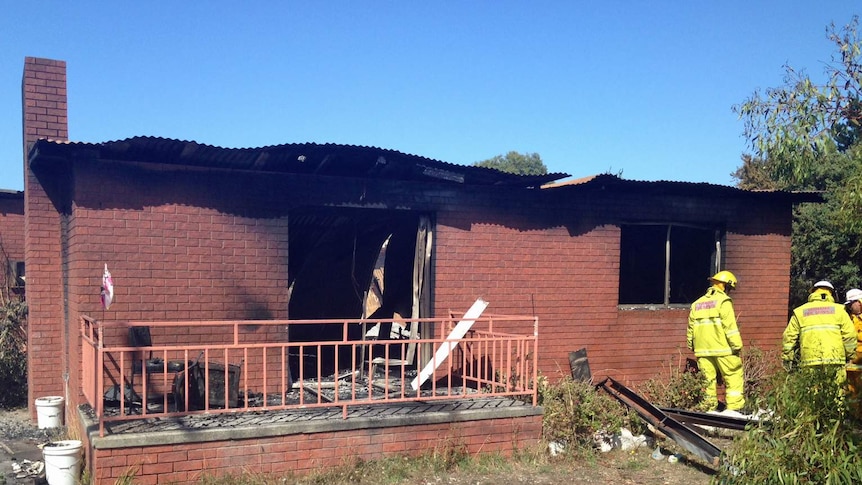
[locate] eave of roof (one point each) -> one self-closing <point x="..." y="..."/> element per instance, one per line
<point x="665" y="187"/>
<point x="11" y="194"/>
<point x="294" y="158"/>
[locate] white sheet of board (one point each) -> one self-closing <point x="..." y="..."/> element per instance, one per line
<point x="446" y="348"/>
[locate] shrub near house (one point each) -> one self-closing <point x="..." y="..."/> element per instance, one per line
<point x="13" y="357"/>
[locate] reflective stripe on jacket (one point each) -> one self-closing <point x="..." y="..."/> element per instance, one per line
<point x="712" y="329"/>
<point x="822" y="332"/>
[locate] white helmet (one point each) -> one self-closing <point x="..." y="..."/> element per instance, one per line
<point x="823" y="284"/>
<point x="853" y="295"/>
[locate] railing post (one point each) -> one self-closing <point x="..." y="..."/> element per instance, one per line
<point x="100" y="376"/>
<point x="534" y="384"/>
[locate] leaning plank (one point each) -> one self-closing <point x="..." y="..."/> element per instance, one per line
<point x="451" y="342"/>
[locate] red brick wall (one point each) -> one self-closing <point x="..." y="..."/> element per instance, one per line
<point x="174" y="252"/>
<point x="647" y="342"/>
<point x="177" y="253"/>
<point x="304" y="453"/>
<point x="44" y="101"/>
<point x="11" y="231"/>
<point x="564" y="268"/>
<point x="758" y="252"/>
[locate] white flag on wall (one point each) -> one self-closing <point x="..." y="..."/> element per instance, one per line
<point x="107" y="294"/>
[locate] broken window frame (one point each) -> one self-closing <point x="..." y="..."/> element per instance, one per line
<point x="698" y="244"/>
<point x="15" y="273"/>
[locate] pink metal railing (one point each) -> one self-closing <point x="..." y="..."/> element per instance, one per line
<point x="236" y="366"/>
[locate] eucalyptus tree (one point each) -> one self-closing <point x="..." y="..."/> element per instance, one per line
<point x="807" y="135"/>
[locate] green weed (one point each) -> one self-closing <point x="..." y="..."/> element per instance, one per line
<point x="680" y="386"/>
<point x="758" y="367"/>
<point x="13" y="355"/>
<point x="448" y="458"/>
<point x="575" y="412"/>
<point x="808" y="439"/>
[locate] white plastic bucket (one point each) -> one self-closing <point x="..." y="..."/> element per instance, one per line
<point x="49" y="411"/>
<point x="62" y="462"/>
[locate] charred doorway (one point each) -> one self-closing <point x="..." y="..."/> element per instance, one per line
<point x="356" y="263"/>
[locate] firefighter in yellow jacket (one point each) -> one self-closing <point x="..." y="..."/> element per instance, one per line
<point x="853" y="305"/>
<point x="714" y="338"/>
<point x="820" y="333"/>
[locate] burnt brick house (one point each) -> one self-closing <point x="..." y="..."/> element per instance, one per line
<point x="197" y="232"/>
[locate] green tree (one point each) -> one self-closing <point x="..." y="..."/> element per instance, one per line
<point x="806" y="136"/>
<point x="809" y="435"/>
<point x="517" y="163"/>
<point x="793" y="125"/>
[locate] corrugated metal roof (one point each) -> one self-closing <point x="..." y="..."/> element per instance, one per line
<point x="665" y="187"/>
<point x="297" y="158"/>
<point x="11" y="194"/>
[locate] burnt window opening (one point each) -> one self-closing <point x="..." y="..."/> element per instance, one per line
<point x="355" y="263"/>
<point x="667" y="264"/>
<point x="15" y="274"/>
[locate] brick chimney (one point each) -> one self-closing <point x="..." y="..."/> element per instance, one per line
<point x="43" y="95"/>
<point x="49" y="335"/>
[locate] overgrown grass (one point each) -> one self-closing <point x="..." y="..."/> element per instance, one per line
<point x="680" y="386"/>
<point x="810" y="437"/>
<point x="13" y="351"/>
<point x="575" y="412"/>
<point x="759" y="366"/>
<point x="449" y="457"/>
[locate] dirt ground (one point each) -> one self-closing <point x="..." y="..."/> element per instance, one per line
<point x="20" y="439"/>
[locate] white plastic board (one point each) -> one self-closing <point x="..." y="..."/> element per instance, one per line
<point x="446" y="348"/>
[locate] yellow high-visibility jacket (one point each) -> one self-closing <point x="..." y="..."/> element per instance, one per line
<point x="856" y="361"/>
<point x="822" y="332"/>
<point x="712" y="329"/>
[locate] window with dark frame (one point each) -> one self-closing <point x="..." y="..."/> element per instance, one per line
<point x="17" y="271"/>
<point x="667" y="264"/>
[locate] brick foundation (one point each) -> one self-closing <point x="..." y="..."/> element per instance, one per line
<point x="306" y="452"/>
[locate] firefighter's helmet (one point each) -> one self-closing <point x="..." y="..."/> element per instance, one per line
<point x="725" y="277"/>
<point x="823" y="284"/>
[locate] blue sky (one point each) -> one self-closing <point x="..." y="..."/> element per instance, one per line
<point x="644" y="89"/>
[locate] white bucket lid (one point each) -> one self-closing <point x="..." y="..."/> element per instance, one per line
<point x="49" y="400"/>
